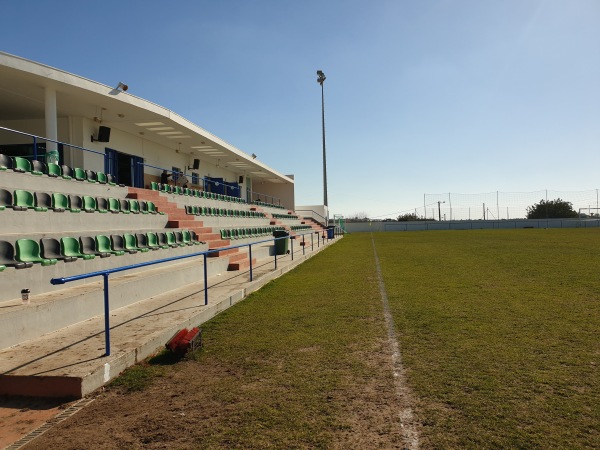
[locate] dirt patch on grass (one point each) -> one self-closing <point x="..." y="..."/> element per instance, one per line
<point x="190" y="406"/>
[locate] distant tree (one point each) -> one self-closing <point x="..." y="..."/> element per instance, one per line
<point x="358" y="217"/>
<point x="551" y="209"/>
<point x="409" y="217"/>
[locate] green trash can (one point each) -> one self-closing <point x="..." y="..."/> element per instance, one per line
<point x="281" y="245"/>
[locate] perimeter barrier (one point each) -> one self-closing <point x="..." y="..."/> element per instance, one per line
<point x="105" y="273"/>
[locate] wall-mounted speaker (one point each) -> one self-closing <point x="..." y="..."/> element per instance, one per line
<point x="196" y="164"/>
<point x="241" y="180"/>
<point x="103" y="134"/>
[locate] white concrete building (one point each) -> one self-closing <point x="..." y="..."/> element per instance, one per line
<point x="142" y="138"/>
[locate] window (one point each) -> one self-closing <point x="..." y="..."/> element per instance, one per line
<point x="176" y="171"/>
<point x="195" y="178"/>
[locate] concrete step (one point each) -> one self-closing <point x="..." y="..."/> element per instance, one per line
<point x="220" y="253"/>
<point x="182" y="223"/>
<point x="49" y="312"/>
<point x="241" y="265"/>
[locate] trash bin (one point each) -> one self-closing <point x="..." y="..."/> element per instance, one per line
<point x="330" y="231"/>
<point x="281" y="245"/>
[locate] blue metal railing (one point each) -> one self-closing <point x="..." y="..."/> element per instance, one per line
<point x="105" y="273"/>
<point x="229" y="185"/>
<point x="35" y="139"/>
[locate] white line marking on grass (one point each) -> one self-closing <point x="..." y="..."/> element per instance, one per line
<point x="403" y="392"/>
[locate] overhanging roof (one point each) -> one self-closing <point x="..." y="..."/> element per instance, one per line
<point x="22" y="92"/>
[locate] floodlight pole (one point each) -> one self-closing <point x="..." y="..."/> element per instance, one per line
<point x="321" y="79"/>
<point x="440" y="210"/>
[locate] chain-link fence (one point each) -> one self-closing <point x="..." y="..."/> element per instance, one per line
<point x="501" y="205"/>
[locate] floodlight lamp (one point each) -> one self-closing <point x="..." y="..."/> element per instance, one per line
<point x="122" y="86"/>
<point x="321" y="76"/>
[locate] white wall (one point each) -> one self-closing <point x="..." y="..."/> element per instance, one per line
<point x="320" y="210"/>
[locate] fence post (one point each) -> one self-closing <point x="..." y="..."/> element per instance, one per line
<point x="106" y="316"/>
<point x="303" y="246"/>
<point x="205" y="282"/>
<point x="35" y="155"/>
<point x="250" y="254"/>
<point x="292" y="246"/>
<point x="275" y="242"/>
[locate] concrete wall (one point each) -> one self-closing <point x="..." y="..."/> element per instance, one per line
<point x="284" y="192"/>
<point x="79" y="130"/>
<point x="352" y="227"/>
<point x="317" y="212"/>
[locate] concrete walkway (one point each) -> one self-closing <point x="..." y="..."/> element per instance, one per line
<point x="70" y="362"/>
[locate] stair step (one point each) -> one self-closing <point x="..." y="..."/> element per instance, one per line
<point x="181" y="223"/>
<point x="241" y="265"/>
<point x="231" y="251"/>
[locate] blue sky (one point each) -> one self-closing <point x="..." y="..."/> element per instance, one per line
<point x="426" y="96"/>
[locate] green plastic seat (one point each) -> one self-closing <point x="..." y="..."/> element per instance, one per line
<point x="79" y="174"/>
<point x="60" y="203"/>
<point x="187" y="237"/>
<point x="131" y="243"/>
<point x="114" y="206"/>
<point x="28" y="250"/>
<point x="103" y="245"/>
<point x="171" y="239"/>
<point x="25" y="199"/>
<point x="101" y="177"/>
<point x="154" y="185"/>
<point x="69" y="246"/>
<point x="223" y="234"/>
<point x="89" y="204"/>
<point x="21" y="164"/>
<point x="134" y="206"/>
<point x="54" y="170"/>
<point x="153" y="241"/>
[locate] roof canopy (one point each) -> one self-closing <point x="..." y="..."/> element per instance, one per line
<point x="22" y="93"/>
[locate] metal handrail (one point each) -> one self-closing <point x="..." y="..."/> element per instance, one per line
<point x="204" y="180"/>
<point x="315" y="213"/>
<point x="105" y="273"/>
<point x="35" y="138"/>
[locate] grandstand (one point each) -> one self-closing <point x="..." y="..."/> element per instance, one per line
<point x="81" y="192"/>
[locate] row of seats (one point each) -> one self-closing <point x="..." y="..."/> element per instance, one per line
<point x="22" y="200"/>
<point x="222" y="212"/>
<point x="258" y="202"/>
<point x="284" y="216"/>
<point x="35" y="167"/>
<point x="24" y="253"/>
<point x="167" y="188"/>
<point x="300" y="227"/>
<point x="241" y="233"/>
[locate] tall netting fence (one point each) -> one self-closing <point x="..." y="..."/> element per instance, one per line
<point x="501" y="205"/>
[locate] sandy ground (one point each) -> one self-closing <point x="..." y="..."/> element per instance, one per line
<point x="19" y="416"/>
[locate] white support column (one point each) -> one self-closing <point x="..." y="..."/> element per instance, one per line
<point x="51" y="119"/>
